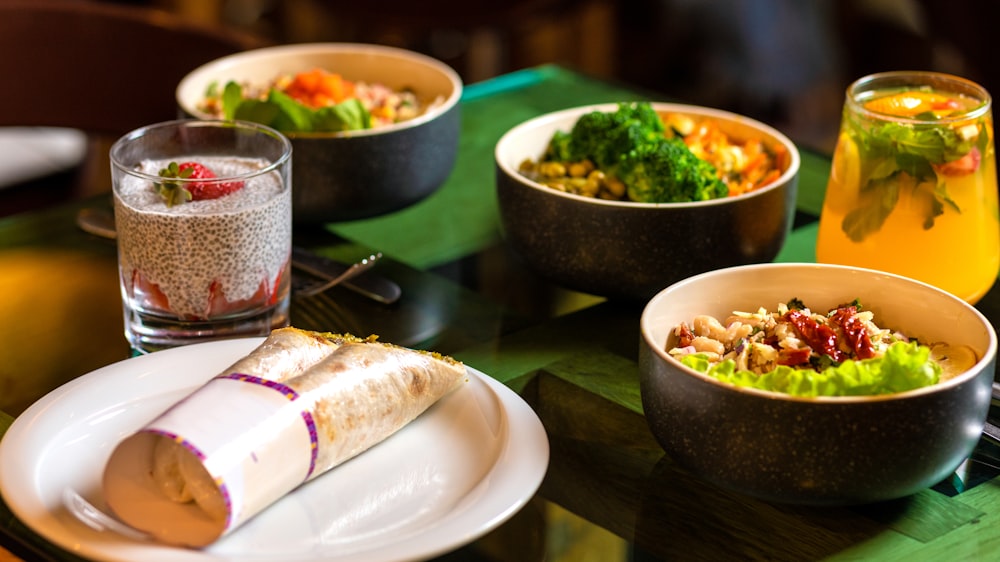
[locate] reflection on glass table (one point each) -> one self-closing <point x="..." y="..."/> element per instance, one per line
<point x="610" y="492"/>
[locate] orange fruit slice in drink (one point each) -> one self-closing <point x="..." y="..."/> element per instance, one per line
<point x="845" y="175"/>
<point x="908" y="104"/>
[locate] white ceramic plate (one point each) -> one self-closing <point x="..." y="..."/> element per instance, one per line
<point x="450" y="476"/>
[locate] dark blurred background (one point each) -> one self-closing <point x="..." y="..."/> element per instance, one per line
<point x="786" y="62"/>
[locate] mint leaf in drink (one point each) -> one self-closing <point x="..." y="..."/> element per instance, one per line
<point x="878" y="198"/>
<point x="923" y="153"/>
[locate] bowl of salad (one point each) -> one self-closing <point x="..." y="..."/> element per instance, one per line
<point x="622" y="199"/>
<point x="374" y="129"/>
<point x="815" y="384"/>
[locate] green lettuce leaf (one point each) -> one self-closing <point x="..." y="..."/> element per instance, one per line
<point x="905" y="366"/>
<point x="280" y="111"/>
<point x="348" y="115"/>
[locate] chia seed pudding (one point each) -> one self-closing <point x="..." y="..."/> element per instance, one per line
<point x="205" y="259"/>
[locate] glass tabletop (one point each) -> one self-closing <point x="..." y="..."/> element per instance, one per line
<point x="610" y="492"/>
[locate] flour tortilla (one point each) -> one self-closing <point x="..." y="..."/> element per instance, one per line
<point x="357" y="392"/>
<point x="288" y="352"/>
<point x="364" y="392"/>
<point x="285" y="353"/>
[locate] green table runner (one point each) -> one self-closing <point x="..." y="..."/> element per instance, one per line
<point x="462" y="217"/>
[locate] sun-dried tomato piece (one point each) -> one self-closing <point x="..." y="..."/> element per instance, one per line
<point x="793" y="357"/>
<point x="821" y="338"/>
<point x="685" y="335"/>
<point x="854" y="331"/>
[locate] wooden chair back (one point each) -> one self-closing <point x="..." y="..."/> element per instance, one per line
<point x="99" y="67"/>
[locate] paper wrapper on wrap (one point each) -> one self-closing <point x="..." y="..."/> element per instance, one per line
<point x="245" y="439"/>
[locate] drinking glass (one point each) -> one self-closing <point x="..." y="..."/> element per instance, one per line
<point x="202" y="257"/>
<point x="913" y="186"/>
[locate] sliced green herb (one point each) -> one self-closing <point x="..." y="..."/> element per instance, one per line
<point x="890" y="149"/>
<point x="796" y="304"/>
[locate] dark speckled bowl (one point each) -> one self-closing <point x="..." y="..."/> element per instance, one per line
<point x="820" y="451"/>
<point x="627" y="250"/>
<point x="358" y="174"/>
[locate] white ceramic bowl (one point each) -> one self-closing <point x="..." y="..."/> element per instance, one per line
<point x="354" y="174"/>
<point x="629" y="250"/>
<point x="826" y="450"/>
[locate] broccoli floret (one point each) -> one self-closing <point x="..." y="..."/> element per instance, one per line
<point x="606" y="137"/>
<point x="666" y="171"/>
<point x="558" y="149"/>
<point x="631" y="144"/>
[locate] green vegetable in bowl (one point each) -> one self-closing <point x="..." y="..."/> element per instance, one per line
<point x="280" y="111"/>
<point x="606" y="137"/>
<point x="801" y="352"/>
<point x="312" y="101"/>
<point x="667" y="171"/>
<point x="631" y="145"/>
<point x="905" y="366"/>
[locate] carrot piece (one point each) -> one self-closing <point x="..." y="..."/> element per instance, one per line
<point x="318" y="88"/>
<point x="309" y="81"/>
<point x="769" y="178"/>
<point x="333" y="86"/>
<point x="755" y="161"/>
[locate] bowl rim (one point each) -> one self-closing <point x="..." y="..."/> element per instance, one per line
<point x="299" y="49"/>
<point x="989" y="354"/>
<point x="563" y="114"/>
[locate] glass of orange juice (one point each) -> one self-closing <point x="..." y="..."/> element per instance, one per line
<point x="913" y="187"/>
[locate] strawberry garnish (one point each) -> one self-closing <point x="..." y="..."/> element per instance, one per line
<point x="266" y="295"/>
<point x="961" y="167"/>
<point x="150" y="295"/>
<point x="175" y="192"/>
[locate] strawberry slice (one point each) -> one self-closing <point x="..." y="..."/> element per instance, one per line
<point x="961" y="167"/>
<point x="175" y="192"/>
<point x="266" y="295"/>
<point x="149" y="293"/>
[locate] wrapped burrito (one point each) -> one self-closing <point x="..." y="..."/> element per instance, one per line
<point x="298" y="405"/>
